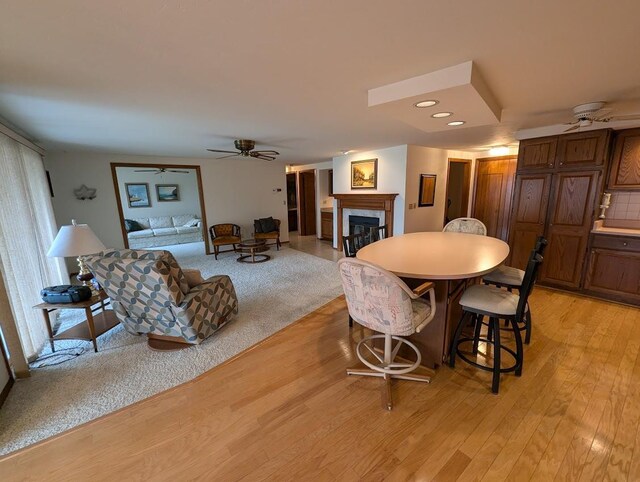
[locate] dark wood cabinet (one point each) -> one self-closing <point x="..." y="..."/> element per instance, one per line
<point x="537" y="154"/>
<point x="614" y="268"/>
<point x="570" y="220"/>
<point x="583" y="149"/>
<point x="625" y="165"/>
<point x="326" y="225"/>
<point x="529" y="215"/>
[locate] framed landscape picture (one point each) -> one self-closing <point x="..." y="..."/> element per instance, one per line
<point x="167" y="192"/>
<point x="364" y="174"/>
<point x="138" y="195"/>
<point x="427" y="190"/>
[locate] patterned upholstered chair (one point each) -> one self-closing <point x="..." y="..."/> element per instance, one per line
<point x="466" y="225"/>
<point x="151" y="295"/>
<point x="379" y="300"/>
<point x="275" y="235"/>
<point x="223" y="235"/>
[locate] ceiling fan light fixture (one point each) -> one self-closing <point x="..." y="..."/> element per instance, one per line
<point x="425" y="103"/>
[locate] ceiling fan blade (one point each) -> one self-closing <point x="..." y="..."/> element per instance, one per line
<point x="230" y="155"/>
<point x="226" y="152"/>
<point x="625" y="117"/>
<point x="573" y="128"/>
<point x="179" y="172"/>
<point x="276" y="153"/>
<point x="264" y="157"/>
<point x="146" y="170"/>
<point x="577" y="121"/>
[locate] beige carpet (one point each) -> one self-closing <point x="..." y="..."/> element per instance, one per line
<point x="56" y="398"/>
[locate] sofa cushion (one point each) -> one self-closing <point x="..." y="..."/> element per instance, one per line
<point x="144" y="222"/>
<point x="164" y="231"/>
<point x="131" y="226"/>
<point x="185" y="229"/>
<point x="160" y="222"/>
<point x="143" y="233"/>
<point x="182" y="219"/>
<point x="195" y="222"/>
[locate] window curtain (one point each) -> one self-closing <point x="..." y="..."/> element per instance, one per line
<point x="27" y="229"/>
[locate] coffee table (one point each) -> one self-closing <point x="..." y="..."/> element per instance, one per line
<point x="251" y="249"/>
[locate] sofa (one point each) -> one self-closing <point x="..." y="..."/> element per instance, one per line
<point x="163" y="230"/>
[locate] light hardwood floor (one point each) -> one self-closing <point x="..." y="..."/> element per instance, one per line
<point x="286" y="410"/>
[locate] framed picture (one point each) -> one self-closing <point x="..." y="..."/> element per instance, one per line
<point x="427" y="193"/>
<point x="138" y="195"/>
<point x="364" y="174"/>
<point x="167" y="192"/>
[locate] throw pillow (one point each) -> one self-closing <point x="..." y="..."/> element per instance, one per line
<point x="268" y="225"/>
<point x="191" y="223"/>
<point x="193" y="277"/>
<point x="257" y="228"/>
<point x="131" y="226"/>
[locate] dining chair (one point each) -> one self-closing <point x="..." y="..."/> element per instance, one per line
<point x="497" y="304"/>
<point x="379" y="300"/>
<point x="353" y="243"/>
<point x="511" y="278"/>
<point x="377" y="233"/>
<point x="466" y="225"/>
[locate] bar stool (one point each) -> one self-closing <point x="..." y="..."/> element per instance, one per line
<point x="511" y="278"/>
<point x="497" y="304"/>
<point x="466" y="225"/>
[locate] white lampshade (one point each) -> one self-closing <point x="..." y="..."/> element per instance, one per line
<point x="75" y="240"/>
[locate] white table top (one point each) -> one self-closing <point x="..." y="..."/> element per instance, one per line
<point x="436" y="255"/>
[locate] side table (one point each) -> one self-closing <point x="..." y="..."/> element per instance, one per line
<point x="90" y="329"/>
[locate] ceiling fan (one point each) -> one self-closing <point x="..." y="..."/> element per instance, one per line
<point x="245" y="149"/>
<point x="587" y="114"/>
<point x="161" y="170"/>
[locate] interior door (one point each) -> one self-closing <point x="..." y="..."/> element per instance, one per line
<point x="307" y="202"/>
<point x="530" y="201"/>
<point x="570" y="221"/>
<point x="495" y="178"/>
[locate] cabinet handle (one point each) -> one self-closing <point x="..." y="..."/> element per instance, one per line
<point x="551" y="164"/>
<point x="562" y="163"/>
<point x="624" y="244"/>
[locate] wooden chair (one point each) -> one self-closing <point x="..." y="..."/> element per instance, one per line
<point x="377" y="233"/>
<point x="275" y="235"/>
<point x="497" y="304"/>
<point x="512" y="278"/>
<point x="353" y="243"/>
<point x="223" y="235"/>
<point x="466" y="225"/>
<point x="380" y="301"/>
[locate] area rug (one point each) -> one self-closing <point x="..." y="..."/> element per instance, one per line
<point x="55" y="398"/>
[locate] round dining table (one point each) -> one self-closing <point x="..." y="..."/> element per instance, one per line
<point x="436" y="255"/>
<point x="451" y="261"/>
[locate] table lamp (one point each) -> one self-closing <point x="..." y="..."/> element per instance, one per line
<point x="77" y="240"/>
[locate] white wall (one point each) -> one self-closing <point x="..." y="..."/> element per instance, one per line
<point x="189" y="201"/>
<point x="234" y="190"/>
<point x="392" y="174"/>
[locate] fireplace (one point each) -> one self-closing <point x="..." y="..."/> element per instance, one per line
<point x="361" y="224"/>
<point x="377" y="206"/>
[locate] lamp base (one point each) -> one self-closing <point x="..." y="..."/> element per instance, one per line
<point x="85" y="276"/>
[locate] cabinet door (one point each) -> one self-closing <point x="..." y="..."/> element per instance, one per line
<point x="625" y="169"/>
<point x="528" y="216"/>
<point x="583" y="149"/>
<point x="570" y="221"/>
<point x="615" y="274"/>
<point x="326" y="225"/>
<point x="537" y="154"/>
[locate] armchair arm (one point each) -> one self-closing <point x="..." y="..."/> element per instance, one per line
<point x="423" y="288"/>
<point x="220" y="297"/>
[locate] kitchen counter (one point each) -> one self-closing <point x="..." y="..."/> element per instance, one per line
<point x="599" y="228"/>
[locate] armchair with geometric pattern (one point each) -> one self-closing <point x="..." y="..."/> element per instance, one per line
<point x="151" y="295"/>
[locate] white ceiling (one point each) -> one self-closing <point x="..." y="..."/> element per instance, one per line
<point x="173" y="78"/>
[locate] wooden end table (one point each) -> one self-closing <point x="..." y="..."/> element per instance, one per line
<point x="251" y="249"/>
<point x="90" y="329"/>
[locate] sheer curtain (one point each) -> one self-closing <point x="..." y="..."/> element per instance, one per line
<point x="27" y="229"/>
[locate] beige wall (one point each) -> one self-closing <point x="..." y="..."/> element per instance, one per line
<point x="235" y="190"/>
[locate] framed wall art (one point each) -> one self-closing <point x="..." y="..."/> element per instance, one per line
<point x="167" y="192"/>
<point x="364" y="174"/>
<point x="138" y="195"/>
<point x="427" y="193"/>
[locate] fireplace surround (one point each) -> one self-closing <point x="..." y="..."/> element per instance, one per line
<point x="364" y="202"/>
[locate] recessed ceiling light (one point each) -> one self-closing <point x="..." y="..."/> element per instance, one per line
<point x="499" y="151"/>
<point x="455" y="123"/>
<point x="438" y="115"/>
<point x="426" y="103"/>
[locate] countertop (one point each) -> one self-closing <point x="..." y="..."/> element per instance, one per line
<point x="599" y="228"/>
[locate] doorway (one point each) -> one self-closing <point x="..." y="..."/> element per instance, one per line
<point x="493" y="193"/>
<point x="458" y="188"/>
<point x="166" y="203"/>
<point x="307" y="202"/>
